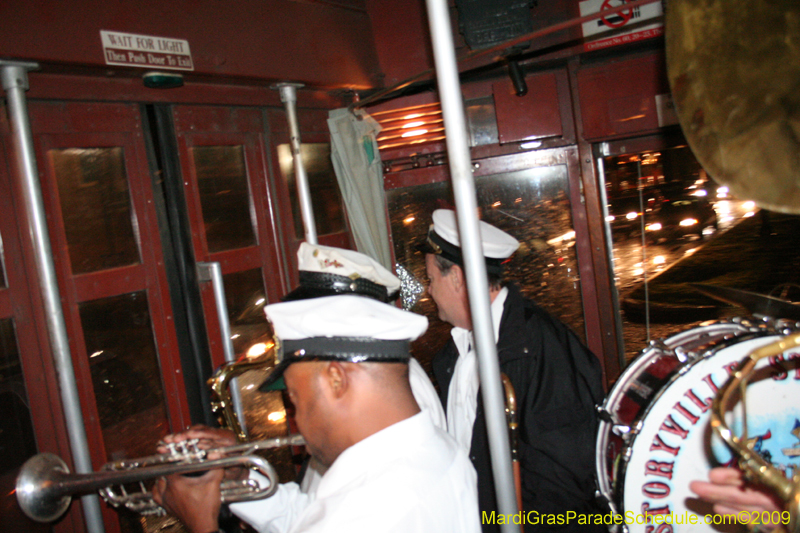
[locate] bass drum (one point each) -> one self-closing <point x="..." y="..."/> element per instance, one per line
<point x="654" y="437"/>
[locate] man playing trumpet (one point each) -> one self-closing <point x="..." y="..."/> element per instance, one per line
<point x="345" y="364"/>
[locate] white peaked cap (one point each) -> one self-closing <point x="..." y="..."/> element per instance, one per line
<point x="347" y="263"/>
<point x="497" y="244"/>
<point x="344" y="316"/>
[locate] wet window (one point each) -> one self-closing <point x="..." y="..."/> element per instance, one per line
<point x="17" y="442"/>
<point x="96" y="208"/>
<point x="533" y="206"/>
<point x="225" y="197"/>
<point x="125" y="374"/>
<point x="673" y="227"/>
<point x="251" y="334"/>
<point x="245" y="299"/>
<point x="326" y="200"/>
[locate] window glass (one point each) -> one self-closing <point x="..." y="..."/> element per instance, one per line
<point x="673" y="226"/>
<point x="125" y="374"/>
<point x="17" y="441"/>
<point x="96" y="207"/>
<point x="533" y="206"/>
<point x="251" y="334"/>
<point x="224" y="197"/>
<point x="326" y="200"/>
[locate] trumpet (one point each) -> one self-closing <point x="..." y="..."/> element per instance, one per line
<point x="753" y="466"/>
<point x="45" y="486"/>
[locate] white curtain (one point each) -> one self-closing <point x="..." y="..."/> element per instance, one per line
<point x="354" y="151"/>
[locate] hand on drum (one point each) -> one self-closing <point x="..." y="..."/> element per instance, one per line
<point x="208" y="439"/>
<point x="730" y="495"/>
<point x="193" y="500"/>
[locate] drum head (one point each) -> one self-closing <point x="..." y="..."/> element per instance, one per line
<point x="675" y="444"/>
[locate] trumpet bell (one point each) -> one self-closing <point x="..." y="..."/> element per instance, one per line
<point x="34" y="480"/>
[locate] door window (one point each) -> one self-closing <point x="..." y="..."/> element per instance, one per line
<point x="224" y="196"/>
<point x="532" y="205"/>
<point x="99" y="223"/>
<point x="326" y="199"/>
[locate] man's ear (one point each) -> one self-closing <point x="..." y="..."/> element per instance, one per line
<point x="336" y="378"/>
<point x="458" y="278"/>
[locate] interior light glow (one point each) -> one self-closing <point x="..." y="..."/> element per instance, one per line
<point x="95" y="354"/>
<point x="497" y="204"/>
<point x="260" y="301"/>
<point x="655" y="226"/>
<point x="414" y="133"/>
<point x="631" y="215"/>
<point x="638" y="272"/>
<point x="688" y="222"/>
<point x="610" y="218"/>
<point x="749" y="205"/>
<point x="257" y="349"/>
<point x="530" y="145"/>
<point x="748" y="214"/>
<point x="412" y="115"/>
<point x="409" y="219"/>
<point x="277" y="416"/>
<point x="414" y="124"/>
<point x="659" y="260"/>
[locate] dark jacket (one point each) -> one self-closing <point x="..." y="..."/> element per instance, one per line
<point x="558" y="383"/>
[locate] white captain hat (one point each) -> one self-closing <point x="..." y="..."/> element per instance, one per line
<point x="443" y="239"/>
<point x="327" y="271"/>
<point x="345" y="328"/>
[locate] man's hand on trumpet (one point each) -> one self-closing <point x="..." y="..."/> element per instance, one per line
<point x="195" y="501"/>
<point x="208" y="438"/>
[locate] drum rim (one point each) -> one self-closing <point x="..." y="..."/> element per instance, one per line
<point x="748" y="332"/>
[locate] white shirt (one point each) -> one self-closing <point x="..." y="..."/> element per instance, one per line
<point x="425" y="394"/>
<point x="408" y="477"/>
<point x="462" y="396"/>
<point x="428" y="401"/>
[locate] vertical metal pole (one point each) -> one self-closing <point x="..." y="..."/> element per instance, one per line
<point x="601" y="176"/>
<point x="475" y="266"/>
<point x="288" y="93"/>
<point x="212" y="271"/>
<point x="15" y="82"/>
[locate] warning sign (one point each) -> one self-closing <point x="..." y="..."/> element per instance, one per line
<point x="146" y="51"/>
<point x="610" y="30"/>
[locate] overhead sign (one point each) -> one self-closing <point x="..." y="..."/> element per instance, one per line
<point x="146" y="51"/>
<point x="612" y="30"/>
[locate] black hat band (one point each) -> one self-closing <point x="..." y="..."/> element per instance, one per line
<point x="451" y="252"/>
<point x="346" y="349"/>
<point x="353" y="349"/>
<point x="343" y="285"/>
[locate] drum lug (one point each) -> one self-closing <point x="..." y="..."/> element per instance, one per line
<point x="622" y="431"/>
<point x="681" y="354"/>
<point x="603" y="414"/>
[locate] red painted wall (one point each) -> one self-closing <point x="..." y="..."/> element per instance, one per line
<point x="326" y="44"/>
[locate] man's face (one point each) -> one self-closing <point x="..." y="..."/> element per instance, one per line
<point x="441" y="289"/>
<point x="304" y="384"/>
